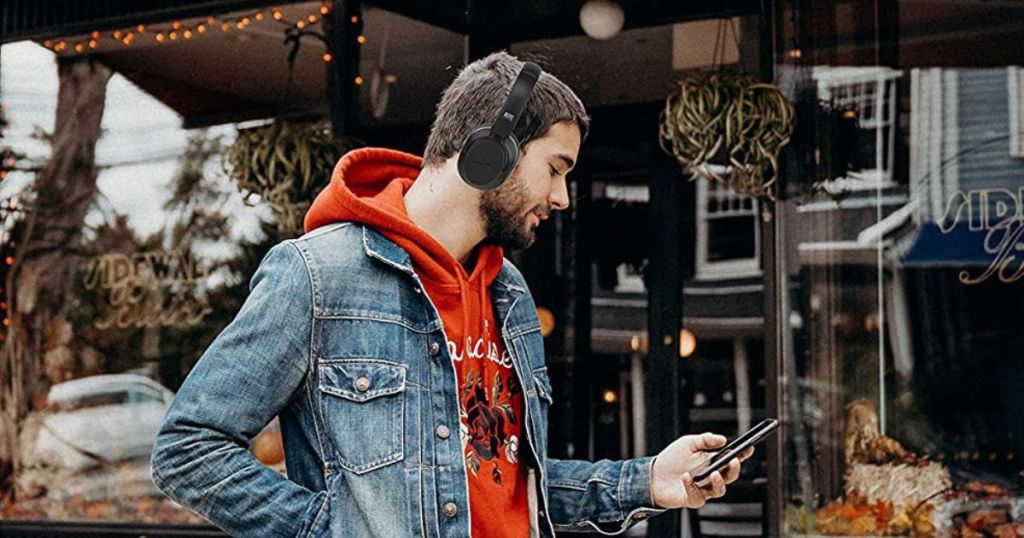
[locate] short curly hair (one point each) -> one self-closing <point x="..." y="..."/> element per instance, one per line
<point x="476" y="95"/>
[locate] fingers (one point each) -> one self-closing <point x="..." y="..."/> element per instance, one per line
<point x="746" y="454"/>
<point x="707" y="441"/>
<point x="695" y="496"/>
<point x="715" y="486"/>
<point x="732" y="471"/>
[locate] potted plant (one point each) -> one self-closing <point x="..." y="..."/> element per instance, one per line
<point x="727" y="127"/>
<point x="286" y="165"/>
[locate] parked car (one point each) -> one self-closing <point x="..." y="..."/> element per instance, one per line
<point x="101" y="419"/>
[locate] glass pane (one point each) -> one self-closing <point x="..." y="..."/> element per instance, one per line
<point x="901" y="390"/>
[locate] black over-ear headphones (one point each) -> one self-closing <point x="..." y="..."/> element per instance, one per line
<point x="490" y="153"/>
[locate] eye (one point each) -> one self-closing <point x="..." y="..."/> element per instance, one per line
<point x="554" y="172"/>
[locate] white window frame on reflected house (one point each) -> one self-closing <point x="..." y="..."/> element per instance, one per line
<point x="872" y="93"/>
<point x="1015" y="90"/>
<point x="934" y="140"/>
<point x="706" y="269"/>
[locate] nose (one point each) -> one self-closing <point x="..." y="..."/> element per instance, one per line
<point x="559" y="197"/>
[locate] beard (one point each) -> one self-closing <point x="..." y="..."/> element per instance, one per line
<point x="506" y="211"/>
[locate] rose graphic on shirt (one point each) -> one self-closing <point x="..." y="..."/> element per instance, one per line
<point x="486" y="413"/>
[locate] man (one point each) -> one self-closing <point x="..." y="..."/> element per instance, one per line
<point x="404" y="357"/>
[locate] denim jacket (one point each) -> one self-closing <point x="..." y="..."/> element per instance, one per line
<point x="338" y="339"/>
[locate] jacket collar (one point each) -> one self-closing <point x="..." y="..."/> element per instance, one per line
<point x="377" y="245"/>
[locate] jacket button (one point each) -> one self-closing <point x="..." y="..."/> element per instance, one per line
<point x="362" y="384"/>
<point x="450" y="509"/>
<point x="417" y="289"/>
<point x="435" y="348"/>
<point x="442" y="431"/>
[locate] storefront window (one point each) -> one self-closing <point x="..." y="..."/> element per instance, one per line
<point x="168" y="246"/>
<point x="901" y="389"/>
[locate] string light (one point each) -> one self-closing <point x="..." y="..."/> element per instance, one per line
<point x="355" y="19"/>
<point x="126" y="36"/>
<point x="361" y="39"/>
<point x="327" y="56"/>
<point x="359" y="80"/>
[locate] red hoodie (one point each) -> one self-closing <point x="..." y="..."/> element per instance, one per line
<point x="368" y="186"/>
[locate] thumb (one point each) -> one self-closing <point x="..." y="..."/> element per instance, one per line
<point x="706" y="441"/>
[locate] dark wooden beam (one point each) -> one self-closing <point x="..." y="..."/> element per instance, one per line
<point x="665" y="418"/>
<point x="448" y="14"/>
<point x="343" y="26"/>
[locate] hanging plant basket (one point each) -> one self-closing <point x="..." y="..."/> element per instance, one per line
<point x="285" y="165"/>
<point x="727" y="127"/>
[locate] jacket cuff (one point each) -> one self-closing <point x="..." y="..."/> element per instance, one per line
<point x="634" y="496"/>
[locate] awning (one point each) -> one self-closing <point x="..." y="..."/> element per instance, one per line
<point x="957" y="247"/>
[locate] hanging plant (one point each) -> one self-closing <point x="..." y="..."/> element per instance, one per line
<point x="727" y="127"/>
<point x="285" y="165"/>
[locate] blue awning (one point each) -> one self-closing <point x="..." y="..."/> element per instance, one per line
<point x="959" y="247"/>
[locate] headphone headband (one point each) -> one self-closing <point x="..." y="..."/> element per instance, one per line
<point x="517" y="98"/>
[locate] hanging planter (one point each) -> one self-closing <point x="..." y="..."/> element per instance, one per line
<point x="727" y="127"/>
<point x="285" y="165"/>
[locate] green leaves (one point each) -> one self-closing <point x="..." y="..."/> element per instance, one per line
<point x="286" y="164"/>
<point x="731" y="121"/>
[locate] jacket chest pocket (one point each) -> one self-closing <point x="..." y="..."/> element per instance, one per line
<point x="363" y="409"/>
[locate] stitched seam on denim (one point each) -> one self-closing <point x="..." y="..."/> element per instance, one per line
<point x="620" y="490"/>
<point x="314" y="282"/>
<point x="322" y="509"/>
<point x="567" y="485"/>
<point x="401" y="322"/>
<point x="311" y="374"/>
<point x="520" y="332"/>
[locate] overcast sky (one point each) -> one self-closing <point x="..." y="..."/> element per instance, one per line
<point x="137" y="129"/>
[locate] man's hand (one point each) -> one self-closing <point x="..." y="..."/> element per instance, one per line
<point x="672" y="475"/>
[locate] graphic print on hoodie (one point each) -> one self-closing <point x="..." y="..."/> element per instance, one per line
<point x="368" y="186"/>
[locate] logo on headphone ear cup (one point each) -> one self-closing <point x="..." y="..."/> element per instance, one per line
<point x="486" y="159"/>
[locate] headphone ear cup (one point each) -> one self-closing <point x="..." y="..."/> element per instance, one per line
<point x="511" y="146"/>
<point x="483" y="159"/>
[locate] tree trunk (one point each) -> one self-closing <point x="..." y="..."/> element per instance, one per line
<point x="37" y="351"/>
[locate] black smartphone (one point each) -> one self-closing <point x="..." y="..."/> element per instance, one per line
<point x="736" y="447"/>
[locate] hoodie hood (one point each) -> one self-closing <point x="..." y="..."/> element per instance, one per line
<point x="368" y="186"/>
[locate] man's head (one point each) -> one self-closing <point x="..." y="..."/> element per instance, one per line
<point x="550" y="131"/>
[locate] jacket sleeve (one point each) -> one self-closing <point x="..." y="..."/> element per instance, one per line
<point x="604" y="496"/>
<point x="249" y="373"/>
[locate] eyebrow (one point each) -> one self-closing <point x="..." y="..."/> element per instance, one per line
<point x="566" y="159"/>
